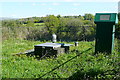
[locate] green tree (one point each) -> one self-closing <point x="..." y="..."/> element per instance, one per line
<point x="89" y="23"/>
<point x="30" y="23"/>
<point x="58" y="16"/>
<point x="52" y="23"/>
<point x="88" y="17"/>
<point x="81" y="17"/>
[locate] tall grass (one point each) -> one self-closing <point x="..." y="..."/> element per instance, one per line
<point x="118" y="42"/>
<point x="117" y="45"/>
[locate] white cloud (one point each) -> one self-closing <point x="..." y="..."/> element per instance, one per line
<point x="33" y="4"/>
<point x="70" y="14"/>
<point x="106" y="12"/>
<point x="43" y="4"/>
<point x="68" y="0"/>
<point x="50" y="8"/>
<point x="96" y="0"/>
<point x="74" y="9"/>
<point x="55" y="4"/>
<point x="14" y="15"/>
<point x="76" y="4"/>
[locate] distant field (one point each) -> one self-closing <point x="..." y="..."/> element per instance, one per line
<point x="85" y="66"/>
<point x="39" y="24"/>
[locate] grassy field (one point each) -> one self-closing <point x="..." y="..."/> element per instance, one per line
<point x="78" y="64"/>
<point x="40" y="24"/>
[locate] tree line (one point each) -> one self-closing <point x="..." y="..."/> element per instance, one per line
<point x="68" y="28"/>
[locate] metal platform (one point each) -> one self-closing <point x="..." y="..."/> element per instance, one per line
<point x="51" y="49"/>
<point x="51" y="45"/>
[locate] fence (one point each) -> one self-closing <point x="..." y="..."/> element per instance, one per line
<point x="64" y="63"/>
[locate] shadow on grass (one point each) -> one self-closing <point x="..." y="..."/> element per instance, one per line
<point x="92" y="74"/>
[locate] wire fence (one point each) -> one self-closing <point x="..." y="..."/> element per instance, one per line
<point x="64" y="63"/>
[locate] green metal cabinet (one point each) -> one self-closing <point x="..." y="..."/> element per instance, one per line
<point x="105" y="31"/>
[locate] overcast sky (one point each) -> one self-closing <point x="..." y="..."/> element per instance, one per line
<point x="30" y="8"/>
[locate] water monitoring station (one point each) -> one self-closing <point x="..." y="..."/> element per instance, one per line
<point x="105" y="31"/>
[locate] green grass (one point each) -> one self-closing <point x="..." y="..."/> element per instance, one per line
<point x="16" y="46"/>
<point x="85" y="66"/>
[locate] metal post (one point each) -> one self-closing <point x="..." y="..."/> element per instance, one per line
<point x="54" y="38"/>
